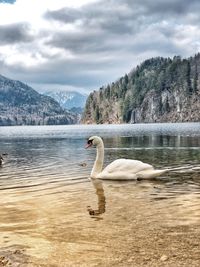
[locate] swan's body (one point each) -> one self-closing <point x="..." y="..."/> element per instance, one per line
<point x="128" y="169"/>
<point x="120" y="169"/>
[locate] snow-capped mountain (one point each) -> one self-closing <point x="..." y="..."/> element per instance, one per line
<point x="68" y="100"/>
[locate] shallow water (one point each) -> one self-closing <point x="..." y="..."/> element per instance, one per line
<point x="51" y="214"/>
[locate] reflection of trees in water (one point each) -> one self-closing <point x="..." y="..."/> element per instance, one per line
<point x="155" y="149"/>
<point x="101" y="199"/>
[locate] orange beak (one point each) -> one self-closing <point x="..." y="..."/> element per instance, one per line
<point x="88" y="145"/>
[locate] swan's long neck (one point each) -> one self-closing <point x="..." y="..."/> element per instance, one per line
<point x="98" y="164"/>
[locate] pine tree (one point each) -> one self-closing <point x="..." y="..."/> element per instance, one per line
<point x="195" y="79"/>
<point x="188" y="79"/>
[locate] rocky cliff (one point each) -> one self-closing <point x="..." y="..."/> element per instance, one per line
<point x="22" y="105"/>
<point x="159" y="90"/>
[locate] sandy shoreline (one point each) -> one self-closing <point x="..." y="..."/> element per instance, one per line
<point x="57" y="230"/>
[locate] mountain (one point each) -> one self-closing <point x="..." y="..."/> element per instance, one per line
<point x="22" y="105"/>
<point x="68" y="100"/>
<point x="158" y="90"/>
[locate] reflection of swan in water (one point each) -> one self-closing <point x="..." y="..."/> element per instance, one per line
<point x="101" y="198"/>
<point x="120" y="169"/>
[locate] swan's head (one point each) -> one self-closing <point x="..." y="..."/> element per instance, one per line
<point x="94" y="141"/>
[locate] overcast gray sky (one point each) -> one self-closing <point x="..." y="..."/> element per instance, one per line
<point x="84" y="44"/>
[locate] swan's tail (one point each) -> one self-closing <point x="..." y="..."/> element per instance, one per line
<point x="186" y="168"/>
<point x="152" y="173"/>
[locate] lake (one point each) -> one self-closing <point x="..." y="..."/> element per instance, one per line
<point x="52" y="214"/>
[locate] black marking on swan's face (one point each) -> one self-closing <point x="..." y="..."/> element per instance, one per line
<point x="89" y="143"/>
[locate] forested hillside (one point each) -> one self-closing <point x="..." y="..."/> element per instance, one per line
<point x="22" y="105"/>
<point x="159" y="90"/>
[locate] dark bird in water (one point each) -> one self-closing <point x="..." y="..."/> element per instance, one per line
<point x="2" y="159"/>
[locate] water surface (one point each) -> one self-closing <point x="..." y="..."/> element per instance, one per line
<point x="52" y="214"/>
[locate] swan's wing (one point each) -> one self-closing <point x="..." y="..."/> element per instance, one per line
<point x="127" y="166"/>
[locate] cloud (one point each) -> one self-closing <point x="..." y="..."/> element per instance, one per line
<point x="86" y="44"/>
<point x="160" y="7"/>
<point x="7" y="1"/>
<point x="106" y="17"/>
<point x="15" y="33"/>
<point x="117" y="30"/>
<point x="65" y="15"/>
<point x="108" y="27"/>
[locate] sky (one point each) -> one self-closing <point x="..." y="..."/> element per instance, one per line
<point x="82" y="45"/>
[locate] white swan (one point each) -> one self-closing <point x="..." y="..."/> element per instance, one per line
<point x="120" y="169"/>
